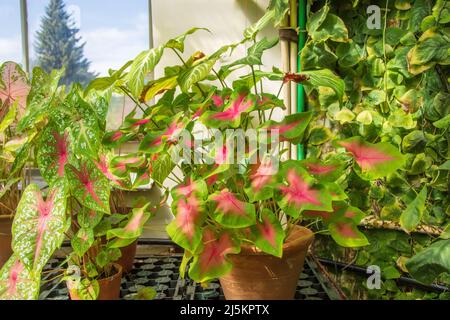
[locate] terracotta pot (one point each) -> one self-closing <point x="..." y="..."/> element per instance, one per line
<point x="126" y="260"/>
<point x="5" y="239"/>
<point x="109" y="288"/>
<point x="259" y="276"/>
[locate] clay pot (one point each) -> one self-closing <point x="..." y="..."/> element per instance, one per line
<point x="5" y="239"/>
<point x="109" y="288"/>
<point x="259" y="276"/>
<point x="126" y="260"/>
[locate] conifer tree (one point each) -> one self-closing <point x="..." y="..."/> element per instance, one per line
<point x="58" y="45"/>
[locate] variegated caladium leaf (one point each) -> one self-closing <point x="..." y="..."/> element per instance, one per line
<point x="17" y="282"/>
<point x="232" y="212"/>
<point x="103" y="166"/>
<point x="185" y="230"/>
<point x="154" y="142"/>
<point x="239" y="104"/>
<point x="134" y="226"/>
<point x="323" y="170"/>
<point x="120" y="164"/>
<point x="88" y="218"/>
<point x="54" y="152"/>
<point x="268" y="234"/>
<point x="39" y="226"/>
<point x="82" y="241"/>
<point x="89" y="185"/>
<point x="198" y="188"/>
<point x="211" y="261"/>
<point x="345" y="232"/>
<point x="341" y="210"/>
<point x="336" y="191"/>
<point x="299" y="191"/>
<point x="262" y="177"/>
<point x="292" y="127"/>
<point x="374" y="160"/>
<point x="14" y="87"/>
<point x="114" y="138"/>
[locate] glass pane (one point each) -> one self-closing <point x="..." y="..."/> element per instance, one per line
<point x="10" y="34"/>
<point x="113" y="32"/>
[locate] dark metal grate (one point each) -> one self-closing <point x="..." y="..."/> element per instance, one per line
<point x="162" y="273"/>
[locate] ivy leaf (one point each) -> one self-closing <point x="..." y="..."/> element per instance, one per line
<point x="374" y="160"/>
<point x="17" y="282"/>
<point x="316" y="19"/>
<point x="413" y="213"/>
<point x="212" y="262"/>
<point x="326" y="78"/>
<point x="429" y="263"/>
<point x="268" y="234"/>
<point x="332" y="27"/>
<point x="39" y="226"/>
<point x="144" y="63"/>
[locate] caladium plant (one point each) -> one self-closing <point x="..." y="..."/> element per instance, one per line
<point x="63" y="133"/>
<point x="221" y="202"/>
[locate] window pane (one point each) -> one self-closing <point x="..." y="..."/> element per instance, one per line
<point x="113" y="32"/>
<point x="10" y="34"/>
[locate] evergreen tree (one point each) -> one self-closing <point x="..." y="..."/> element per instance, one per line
<point x="59" y="46"/>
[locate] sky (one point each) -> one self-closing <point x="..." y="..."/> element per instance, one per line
<point x="114" y="31"/>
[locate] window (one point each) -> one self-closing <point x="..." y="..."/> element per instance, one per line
<point x="10" y="33"/>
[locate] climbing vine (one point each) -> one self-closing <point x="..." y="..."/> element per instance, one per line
<point x="396" y="90"/>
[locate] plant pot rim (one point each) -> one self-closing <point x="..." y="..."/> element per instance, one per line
<point x="116" y="275"/>
<point x="299" y="237"/>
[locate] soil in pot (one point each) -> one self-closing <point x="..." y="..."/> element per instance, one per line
<point x="259" y="276"/>
<point x="109" y="288"/>
<point x="5" y="239"/>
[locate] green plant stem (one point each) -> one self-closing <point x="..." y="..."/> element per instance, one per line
<point x="222" y="82"/>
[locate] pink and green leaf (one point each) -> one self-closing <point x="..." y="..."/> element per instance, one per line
<point x="199" y="188"/>
<point x="232" y="212"/>
<point x="134" y="226"/>
<point x="345" y="232"/>
<point x="120" y="165"/>
<point x="39" y="226"/>
<point x="292" y="127"/>
<point x="211" y="261"/>
<point x="299" y="192"/>
<point x="268" y="234"/>
<point x="82" y="241"/>
<point x="240" y="104"/>
<point x="54" y="152"/>
<point x="262" y="178"/>
<point x="373" y="160"/>
<point x="89" y="186"/>
<point x="14" y="86"/>
<point x="185" y="230"/>
<point x="104" y="166"/>
<point x="323" y="170"/>
<point x="17" y="282"/>
<point x="155" y="142"/>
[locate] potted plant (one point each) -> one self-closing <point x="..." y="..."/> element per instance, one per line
<point x="65" y="128"/>
<point x="238" y="220"/>
<point x="14" y="90"/>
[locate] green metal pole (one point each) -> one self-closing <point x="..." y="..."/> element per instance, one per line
<point x="301" y="44"/>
